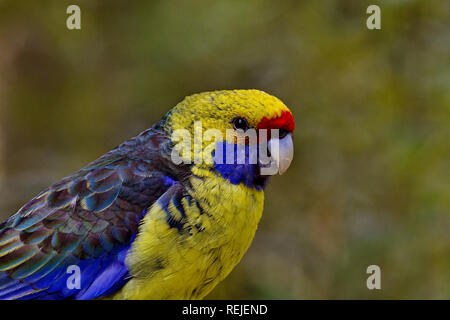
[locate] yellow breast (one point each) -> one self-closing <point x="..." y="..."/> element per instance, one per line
<point x="218" y="219"/>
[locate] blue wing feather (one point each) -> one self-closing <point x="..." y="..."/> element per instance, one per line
<point x="89" y="219"/>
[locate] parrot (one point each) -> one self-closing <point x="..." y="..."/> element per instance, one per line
<point x="137" y="225"/>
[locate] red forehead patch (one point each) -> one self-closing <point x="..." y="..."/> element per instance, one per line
<point x="284" y="121"/>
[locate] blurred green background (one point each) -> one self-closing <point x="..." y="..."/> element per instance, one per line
<point x="370" y="182"/>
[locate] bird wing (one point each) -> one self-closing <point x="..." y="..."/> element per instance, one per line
<point x="83" y="226"/>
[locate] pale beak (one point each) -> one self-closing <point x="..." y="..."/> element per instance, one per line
<point x="282" y="152"/>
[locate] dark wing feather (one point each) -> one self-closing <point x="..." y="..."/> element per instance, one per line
<point x="89" y="220"/>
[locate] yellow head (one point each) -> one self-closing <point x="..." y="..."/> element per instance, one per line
<point x="217" y="109"/>
<point x="238" y="111"/>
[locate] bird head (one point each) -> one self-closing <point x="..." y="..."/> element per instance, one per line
<point x="206" y="121"/>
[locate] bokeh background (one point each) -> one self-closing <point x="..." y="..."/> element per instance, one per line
<point x="370" y="182"/>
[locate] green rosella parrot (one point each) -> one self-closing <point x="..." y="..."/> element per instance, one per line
<point x="135" y="224"/>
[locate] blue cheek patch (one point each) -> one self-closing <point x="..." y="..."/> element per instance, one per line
<point x="241" y="166"/>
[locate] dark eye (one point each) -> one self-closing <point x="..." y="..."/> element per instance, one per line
<point x="283" y="133"/>
<point x="240" y="123"/>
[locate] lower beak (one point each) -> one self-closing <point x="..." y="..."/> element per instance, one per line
<point x="282" y="152"/>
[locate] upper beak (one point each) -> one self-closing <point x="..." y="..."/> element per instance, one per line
<point x="282" y="152"/>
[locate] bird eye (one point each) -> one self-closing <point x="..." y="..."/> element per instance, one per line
<point x="283" y="133"/>
<point x="240" y="123"/>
